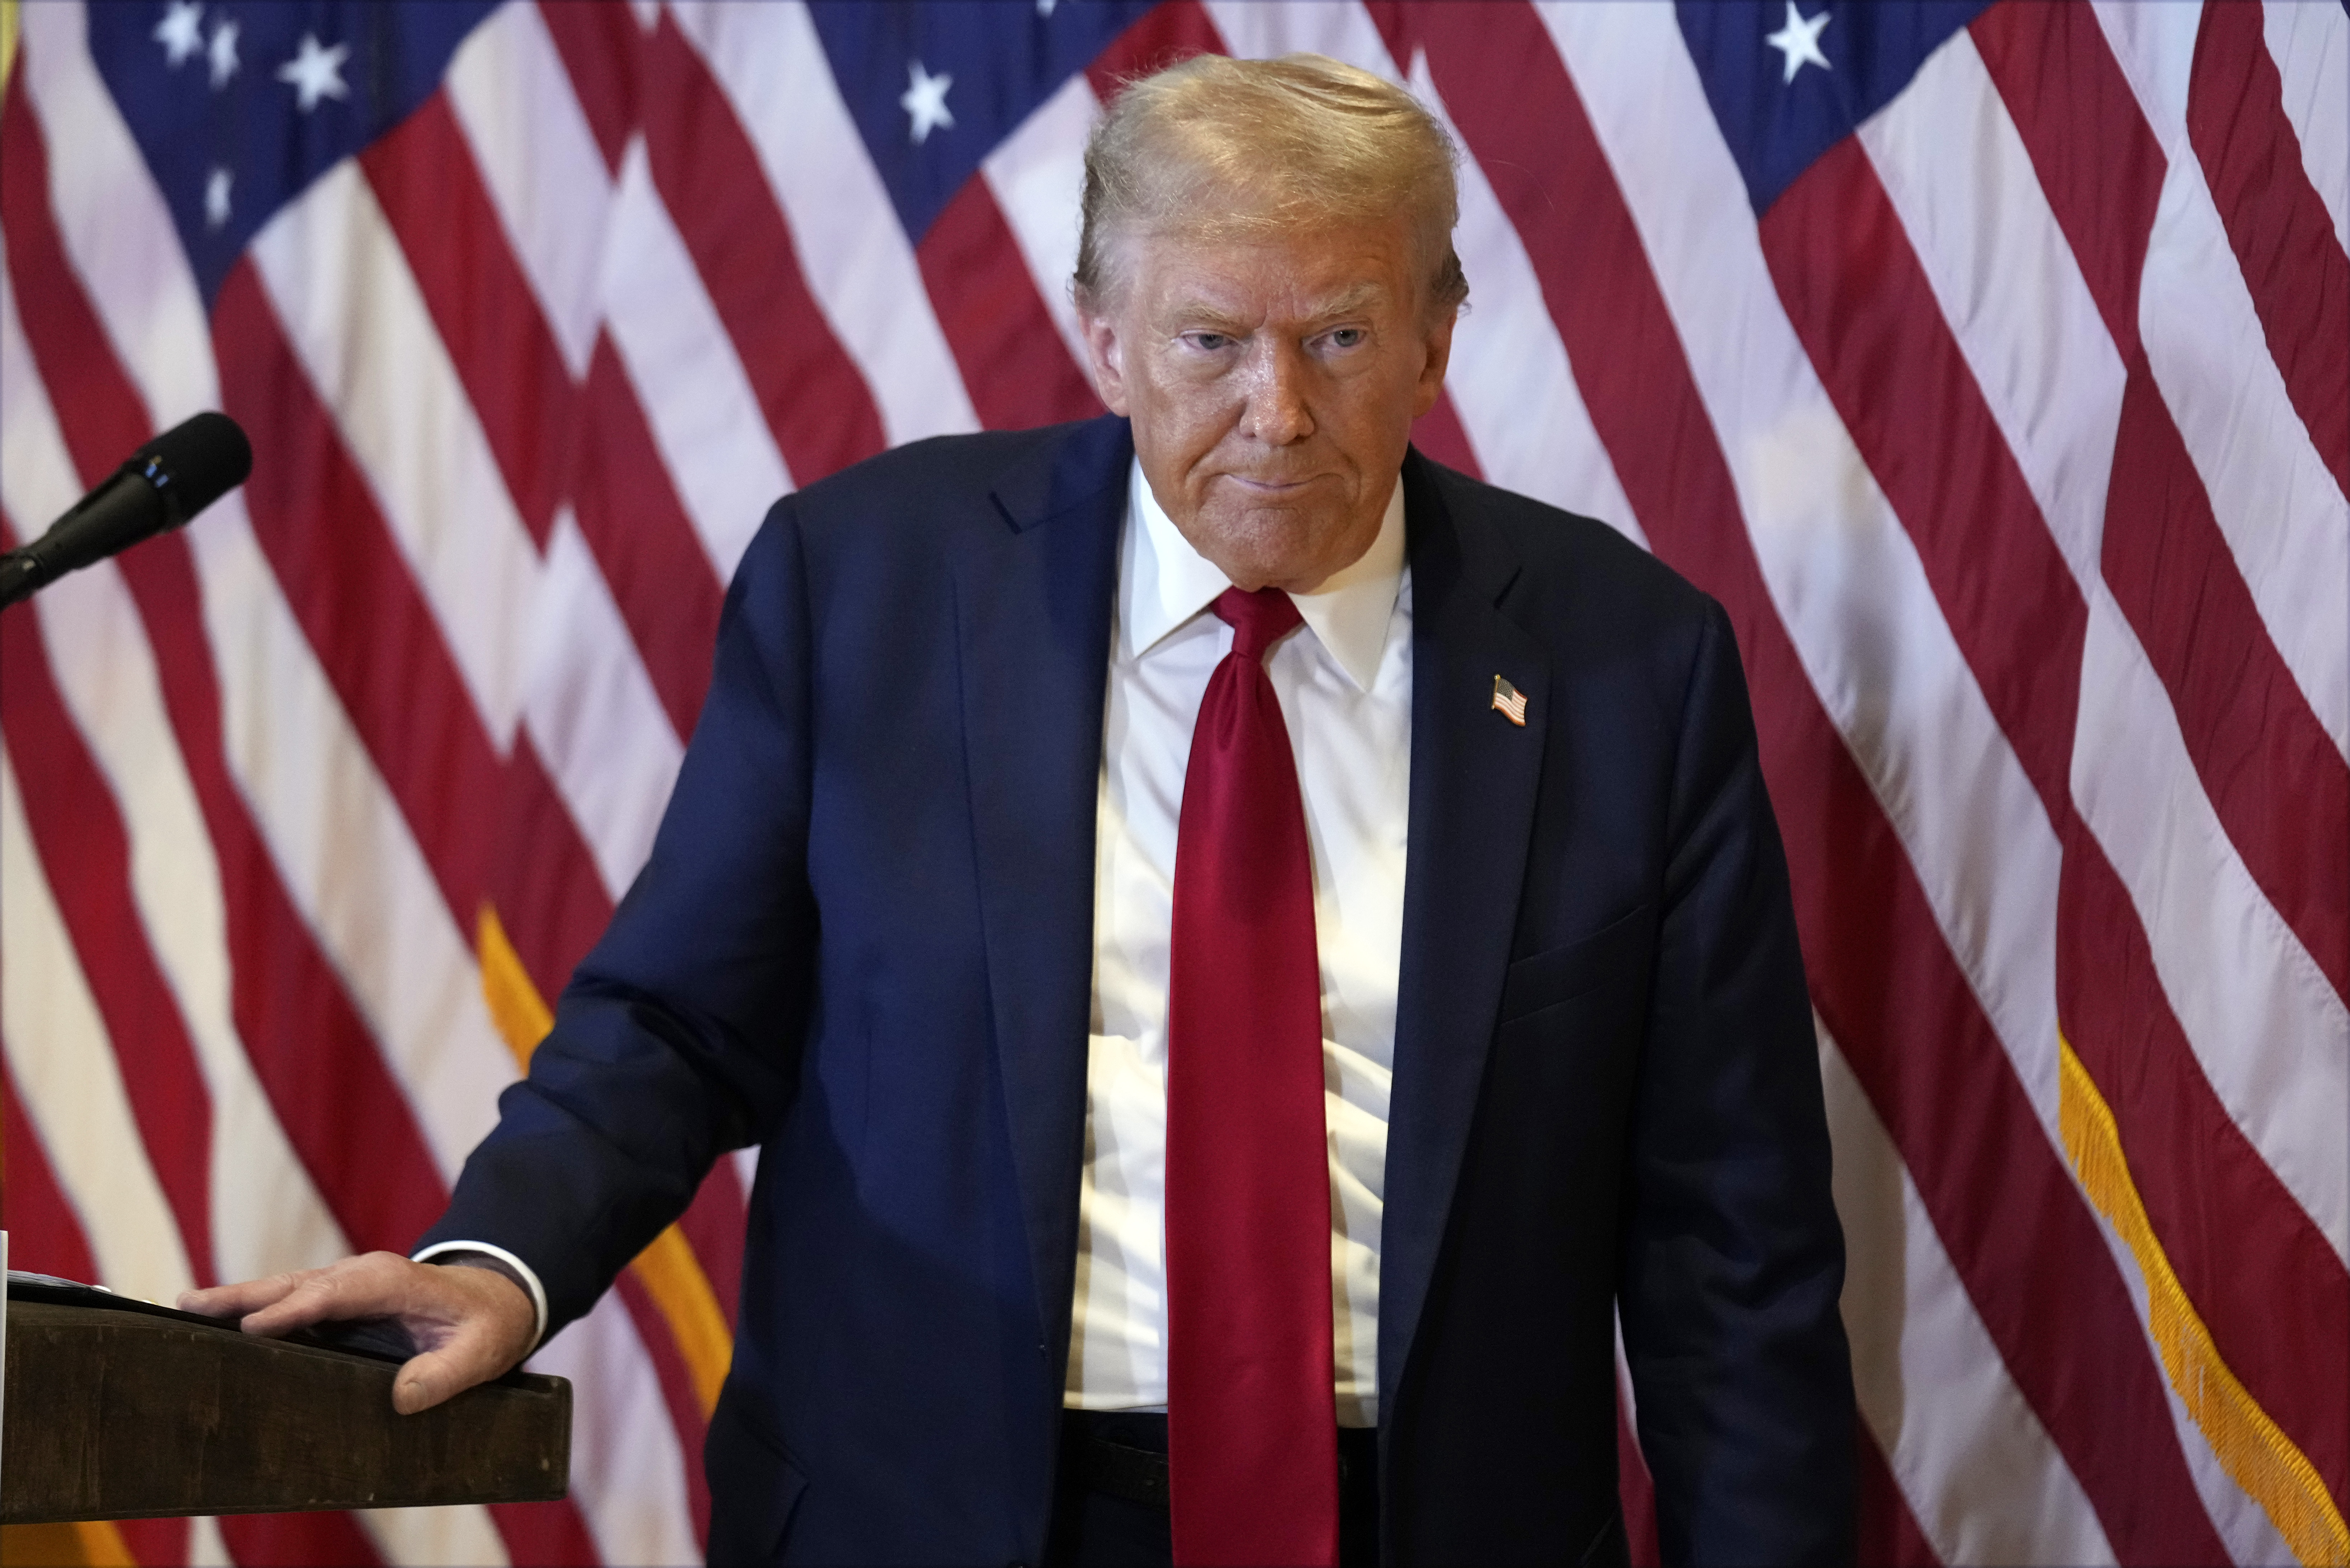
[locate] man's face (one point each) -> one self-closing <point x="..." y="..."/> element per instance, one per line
<point x="1273" y="383"/>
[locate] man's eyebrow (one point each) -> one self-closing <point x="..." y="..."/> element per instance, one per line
<point x="1346" y="302"/>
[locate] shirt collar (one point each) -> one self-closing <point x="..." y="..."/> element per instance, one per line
<point x="1164" y="583"/>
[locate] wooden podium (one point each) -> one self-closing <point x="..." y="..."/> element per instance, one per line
<point x="120" y="1409"/>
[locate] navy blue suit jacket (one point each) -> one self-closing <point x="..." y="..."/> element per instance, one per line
<point x="864" y="941"/>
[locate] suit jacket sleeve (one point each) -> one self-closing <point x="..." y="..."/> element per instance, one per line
<point x="678" y="1035"/>
<point x="1733" y="1259"/>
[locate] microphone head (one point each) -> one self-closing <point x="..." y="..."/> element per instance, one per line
<point x="195" y="463"/>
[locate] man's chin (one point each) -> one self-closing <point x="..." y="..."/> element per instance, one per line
<point x="1287" y="547"/>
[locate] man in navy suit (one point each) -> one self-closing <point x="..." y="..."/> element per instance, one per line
<point x="907" y="927"/>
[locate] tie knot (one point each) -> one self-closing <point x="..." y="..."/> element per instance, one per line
<point x="1258" y="619"/>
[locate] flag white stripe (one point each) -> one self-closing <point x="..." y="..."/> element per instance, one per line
<point x="2310" y="41"/>
<point x="2286" y="520"/>
<point x="1510" y="379"/>
<point x="112" y="221"/>
<point x="1978" y="1470"/>
<point x="2273" y="1037"/>
<point x="1843" y="574"/>
<point x="1956" y="171"/>
<point x="2270" y="1035"/>
<point x="593" y="713"/>
<point x="627" y="1470"/>
<point x="71" y="1084"/>
<point x="857" y="261"/>
<point x="356" y="320"/>
<point x="1847" y="583"/>
<point x="344" y="851"/>
<point x="1035" y="174"/>
<point x="515" y="102"/>
<point x="454" y="1534"/>
<point x="688" y="380"/>
<point x="2155" y="45"/>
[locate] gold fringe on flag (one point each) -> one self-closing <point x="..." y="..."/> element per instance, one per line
<point x="670" y="1271"/>
<point x="85" y="1544"/>
<point x="2250" y="1447"/>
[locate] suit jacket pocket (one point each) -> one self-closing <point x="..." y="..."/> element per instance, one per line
<point x="754" y="1487"/>
<point x="1616" y="950"/>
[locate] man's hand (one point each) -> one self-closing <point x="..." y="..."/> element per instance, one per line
<point x="469" y="1325"/>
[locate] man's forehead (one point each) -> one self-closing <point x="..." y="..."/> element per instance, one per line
<point x="1298" y="274"/>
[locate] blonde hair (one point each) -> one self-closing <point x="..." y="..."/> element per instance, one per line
<point x="1217" y="147"/>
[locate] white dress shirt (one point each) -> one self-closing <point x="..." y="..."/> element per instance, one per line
<point x="1344" y="680"/>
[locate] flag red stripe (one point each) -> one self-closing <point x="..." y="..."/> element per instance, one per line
<point x="601" y="54"/>
<point x="352" y="590"/>
<point x="2279" y="788"/>
<point x="544" y="1534"/>
<point x="1635" y="1489"/>
<point x="306" y="1042"/>
<point x="815" y="401"/>
<point x="45" y="1235"/>
<point x="313" y="1053"/>
<point x="2237" y="1239"/>
<point x="1868" y="317"/>
<point x="1160" y="37"/>
<point x="2100" y="164"/>
<point x="70" y="808"/>
<point x="677" y="1392"/>
<point x="1889" y="1533"/>
<point x="108" y="420"/>
<point x="712" y="1224"/>
<point x="2276" y="221"/>
<point x="553" y="440"/>
<point x="636" y="527"/>
<point x="1015" y="367"/>
<point x="1438" y="434"/>
<point x="295" y="1540"/>
<point x="432" y="194"/>
<point x="1860" y="302"/>
<point x="544" y="884"/>
<point x="417" y="720"/>
<point x="2028" y="1251"/>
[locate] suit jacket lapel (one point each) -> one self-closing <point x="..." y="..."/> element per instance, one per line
<point x="1033" y="608"/>
<point x="1474" y="777"/>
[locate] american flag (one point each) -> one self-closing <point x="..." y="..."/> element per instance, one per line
<point x="1989" y="363"/>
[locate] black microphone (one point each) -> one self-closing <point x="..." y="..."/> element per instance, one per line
<point x="166" y="481"/>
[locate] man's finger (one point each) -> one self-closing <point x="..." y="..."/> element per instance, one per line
<point x="247" y="1295"/>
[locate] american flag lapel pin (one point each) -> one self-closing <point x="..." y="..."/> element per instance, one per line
<point x="1510" y="703"/>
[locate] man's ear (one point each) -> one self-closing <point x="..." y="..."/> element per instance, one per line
<point x="1105" y="356"/>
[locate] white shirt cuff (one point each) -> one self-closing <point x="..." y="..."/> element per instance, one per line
<point x="529" y="1276"/>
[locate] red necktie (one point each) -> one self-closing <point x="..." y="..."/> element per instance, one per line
<point x="1252" y="1431"/>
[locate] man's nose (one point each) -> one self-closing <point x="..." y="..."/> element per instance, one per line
<point x="1276" y="414"/>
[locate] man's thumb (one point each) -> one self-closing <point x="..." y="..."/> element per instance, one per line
<point x="421" y="1384"/>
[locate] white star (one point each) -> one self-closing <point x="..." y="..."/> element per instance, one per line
<point x="180" y="31"/>
<point x="926" y="100"/>
<point x="1800" y="41"/>
<point x="223" y="54"/>
<point x="316" y="73"/>
<point x="216" y="198"/>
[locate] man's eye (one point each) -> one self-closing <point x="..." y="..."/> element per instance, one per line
<point x="1209" y="342"/>
<point x="1348" y="338"/>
